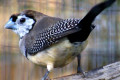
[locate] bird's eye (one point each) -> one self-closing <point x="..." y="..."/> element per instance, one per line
<point x="22" y="20"/>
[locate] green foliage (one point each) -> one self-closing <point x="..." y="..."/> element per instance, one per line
<point x="118" y="2"/>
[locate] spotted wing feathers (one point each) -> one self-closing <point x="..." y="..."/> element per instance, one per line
<point x="53" y="34"/>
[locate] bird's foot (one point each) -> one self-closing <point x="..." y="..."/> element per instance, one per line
<point x="79" y="70"/>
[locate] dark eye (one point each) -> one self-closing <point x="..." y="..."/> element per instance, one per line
<point x="22" y="20"/>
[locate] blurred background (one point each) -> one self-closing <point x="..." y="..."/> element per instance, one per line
<point x="103" y="47"/>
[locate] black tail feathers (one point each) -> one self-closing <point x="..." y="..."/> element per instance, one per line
<point x="96" y="10"/>
<point x="86" y="23"/>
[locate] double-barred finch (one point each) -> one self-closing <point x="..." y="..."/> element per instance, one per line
<point x="53" y="42"/>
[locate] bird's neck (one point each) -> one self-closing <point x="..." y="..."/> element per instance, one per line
<point x="21" y="32"/>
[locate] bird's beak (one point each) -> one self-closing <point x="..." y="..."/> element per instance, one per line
<point x="10" y="25"/>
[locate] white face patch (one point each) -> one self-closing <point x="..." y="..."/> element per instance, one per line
<point x="23" y="28"/>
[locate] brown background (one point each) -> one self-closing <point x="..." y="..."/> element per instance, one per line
<point x="104" y="41"/>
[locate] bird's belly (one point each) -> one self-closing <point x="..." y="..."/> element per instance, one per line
<point x="59" y="54"/>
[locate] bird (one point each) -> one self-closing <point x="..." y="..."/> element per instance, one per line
<point x="53" y="42"/>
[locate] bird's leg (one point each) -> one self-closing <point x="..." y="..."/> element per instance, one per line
<point x="49" y="69"/>
<point x="46" y="75"/>
<point x="79" y="70"/>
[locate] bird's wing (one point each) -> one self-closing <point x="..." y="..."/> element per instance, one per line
<point x="53" y="34"/>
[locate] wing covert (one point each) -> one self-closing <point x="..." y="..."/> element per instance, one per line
<point x="53" y="34"/>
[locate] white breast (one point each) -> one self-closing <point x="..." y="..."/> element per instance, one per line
<point x="58" y="54"/>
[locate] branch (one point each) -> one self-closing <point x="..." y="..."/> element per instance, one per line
<point x="108" y="72"/>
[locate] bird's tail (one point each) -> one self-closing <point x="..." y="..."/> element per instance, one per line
<point x="96" y="10"/>
<point x="86" y="23"/>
